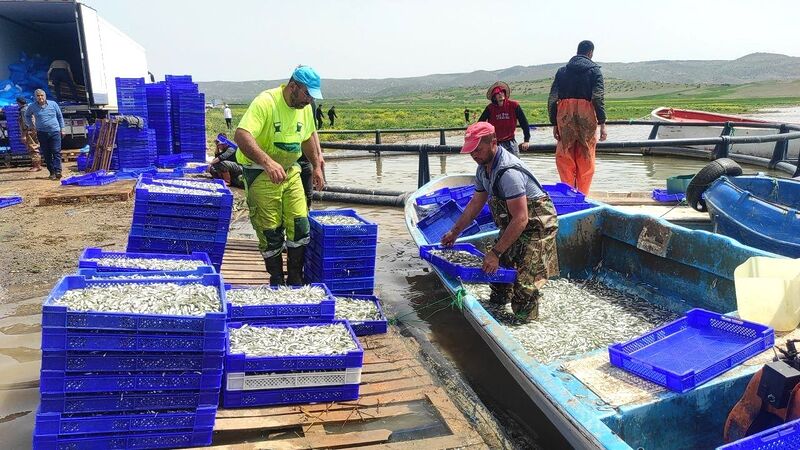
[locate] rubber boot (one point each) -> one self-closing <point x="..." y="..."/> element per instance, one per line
<point x="294" y="265"/>
<point x="274" y="267"/>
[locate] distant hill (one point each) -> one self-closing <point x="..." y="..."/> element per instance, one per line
<point x="753" y="68"/>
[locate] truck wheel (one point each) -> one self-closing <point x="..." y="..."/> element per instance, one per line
<point x="706" y="176"/>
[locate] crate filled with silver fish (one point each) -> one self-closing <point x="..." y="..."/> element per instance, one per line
<point x="313" y="302"/>
<point x="104" y="261"/>
<point x="363" y="312"/>
<point x="262" y="347"/>
<point x="342" y="251"/>
<point x="195" y="274"/>
<point x="290" y="364"/>
<point x="464" y="262"/>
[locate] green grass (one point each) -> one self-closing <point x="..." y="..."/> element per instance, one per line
<point x="624" y="100"/>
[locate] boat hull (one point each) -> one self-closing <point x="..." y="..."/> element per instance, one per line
<point x="671" y="266"/>
<point x="757" y="211"/>
<point x="760" y="150"/>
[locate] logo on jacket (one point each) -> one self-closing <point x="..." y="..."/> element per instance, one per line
<point x="503" y="116"/>
<point x="299" y="126"/>
<point x="277" y="126"/>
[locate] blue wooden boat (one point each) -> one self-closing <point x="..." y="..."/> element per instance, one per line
<point x="759" y="211"/>
<point x="665" y="264"/>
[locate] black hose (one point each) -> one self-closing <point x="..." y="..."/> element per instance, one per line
<point x="361" y="199"/>
<point x="357" y="190"/>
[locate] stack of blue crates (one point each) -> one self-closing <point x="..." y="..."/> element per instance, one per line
<point x="159" y="116"/>
<point x="188" y="117"/>
<point x="189" y="220"/>
<point x="14" y="133"/>
<point x="136" y="148"/>
<point x="131" y="97"/>
<point x="342" y="256"/>
<point x="279" y="380"/>
<point x="125" y="380"/>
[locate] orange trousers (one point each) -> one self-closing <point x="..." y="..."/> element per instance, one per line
<point x="577" y="127"/>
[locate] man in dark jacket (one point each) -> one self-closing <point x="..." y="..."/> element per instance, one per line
<point x="576" y="106"/>
<point x="319" y="116"/>
<point x="332" y="115"/>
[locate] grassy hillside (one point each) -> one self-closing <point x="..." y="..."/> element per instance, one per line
<point x="624" y="100"/>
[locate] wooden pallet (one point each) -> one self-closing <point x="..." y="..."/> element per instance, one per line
<point x="119" y="191"/>
<point x="395" y="390"/>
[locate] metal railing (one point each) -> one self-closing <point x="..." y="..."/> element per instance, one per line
<point x="650" y="146"/>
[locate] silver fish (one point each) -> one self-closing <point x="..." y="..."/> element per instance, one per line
<point x="160" y="189"/>
<point x="356" y="310"/>
<point x="191" y="299"/>
<point x="459" y="257"/>
<point x="332" y="339"/>
<point x="148" y="263"/>
<point x="282" y="295"/>
<point x="337" y="219"/>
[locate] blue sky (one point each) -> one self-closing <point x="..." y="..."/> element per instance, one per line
<point x="239" y="40"/>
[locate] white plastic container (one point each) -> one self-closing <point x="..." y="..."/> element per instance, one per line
<point x="768" y="291"/>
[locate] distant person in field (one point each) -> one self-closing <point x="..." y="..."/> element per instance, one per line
<point x="466" y="116"/>
<point x="228" y="115"/>
<point x="576" y="106"/>
<point x="319" y="116"/>
<point x="332" y="115"/>
<point x="504" y="114"/>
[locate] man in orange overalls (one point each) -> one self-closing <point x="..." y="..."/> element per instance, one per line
<point x="576" y="106"/>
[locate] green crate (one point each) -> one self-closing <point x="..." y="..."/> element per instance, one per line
<point x="678" y="184"/>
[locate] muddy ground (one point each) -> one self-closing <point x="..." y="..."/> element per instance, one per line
<point x="40" y="244"/>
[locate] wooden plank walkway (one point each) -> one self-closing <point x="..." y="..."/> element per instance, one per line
<point x="396" y="393"/>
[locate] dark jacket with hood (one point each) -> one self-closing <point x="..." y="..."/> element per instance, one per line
<point x="580" y="78"/>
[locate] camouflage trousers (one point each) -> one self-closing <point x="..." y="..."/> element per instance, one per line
<point x="533" y="255"/>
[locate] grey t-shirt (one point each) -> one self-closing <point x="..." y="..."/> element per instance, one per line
<point x="514" y="182"/>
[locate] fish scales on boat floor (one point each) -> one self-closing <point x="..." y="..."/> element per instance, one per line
<point x="607" y="316"/>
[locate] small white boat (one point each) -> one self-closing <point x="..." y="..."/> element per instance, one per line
<point x="676" y="116"/>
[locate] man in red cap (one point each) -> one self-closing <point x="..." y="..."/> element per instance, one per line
<point x="504" y="113"/>
<point x="522" y="211"/>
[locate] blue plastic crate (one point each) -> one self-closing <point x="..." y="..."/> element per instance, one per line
<point x="435" y="225"/>
<point x="786" y="436"/>
<point x="336" y="263"/>
<point x="152" y="440"/>
<point x="325" y="394"/>
<point x="96" y="253"/>
<point x="59" y="317"/>
<point x="468" y="274"/>
<point x="562" y="193"/>
<point x="61" y="339"/>
<point x="338" y="242"/>
<point x="567" y="208"/>
<point x="179" y="223"/>
<point x="8" y="201"/>
<point x="103" y="362"/>
<point x="239" y="362"/>
<point x="71" y="424"/>
<point x="202" y="168"/>
<point x="122" y="401"/>
<point x="56" y="382"/>
<point x="144" y="207"/>
<point x="346" y="285"/>
<point x="436" y="197"/>
<point x="224" y="200"/>
<point x="686" y="353"/>
<point x="457" y="193"/>
<point x="369" y="327"/>
<point x="214" y="250"/>
<point x="323" y="310"/>
<point x="151" y="231"/>
<point x="367" y="229"/>
<point x="661" y="195"/>
<point x="342" y="252"/>
<point x="313" y="266"/>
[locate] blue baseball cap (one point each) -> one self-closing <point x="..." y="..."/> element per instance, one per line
<point x="310" y="79"/>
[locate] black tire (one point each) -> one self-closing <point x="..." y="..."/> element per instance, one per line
<point x="706" y="176"/>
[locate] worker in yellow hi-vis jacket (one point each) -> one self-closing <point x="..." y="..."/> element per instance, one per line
<point x="277" y="128"/>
